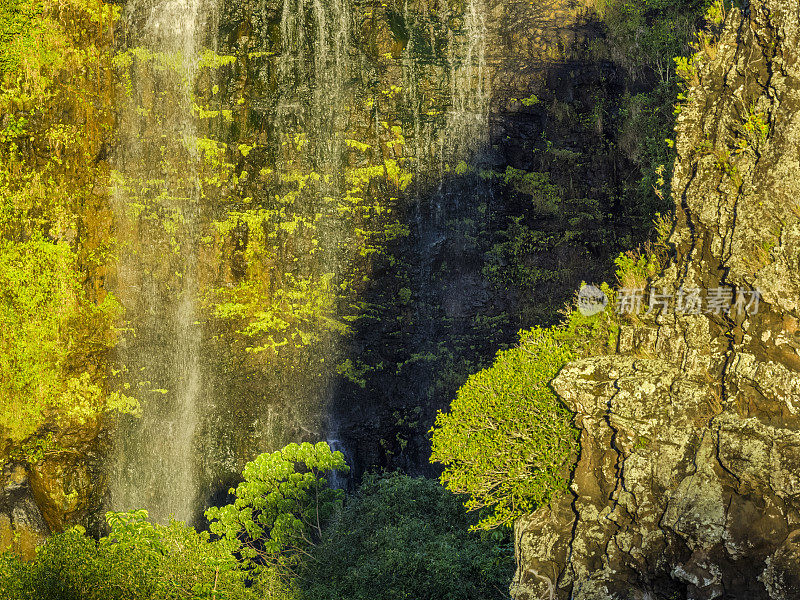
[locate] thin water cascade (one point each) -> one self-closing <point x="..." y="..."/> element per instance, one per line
<point x="462" y="135"/>
<point x="336" y="479"/>
<point x="312" y="106"/>
<point x="312" y="70"/>
<point x="468" y="119"/>
<point x="323" y="107"/>
<point x="443" y="147"/>
<point x="157" y="198"/>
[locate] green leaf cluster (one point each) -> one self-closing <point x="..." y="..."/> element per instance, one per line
<point x="508" y="442"/>
<point x="137" y="560"/>
<point x="281" y="507"/>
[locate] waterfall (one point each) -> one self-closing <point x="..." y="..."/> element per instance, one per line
<point x="308" y="85"/>
<point x="464" y="134"/>
<point x="468" y="119"/>
<point x="313" y="67"/>
<point x="156" y="203"/>
<point x="337" y="480"/>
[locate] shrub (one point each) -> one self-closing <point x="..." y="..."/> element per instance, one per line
<point x="507" y="440"/>
<point x="136" y="561"/>
<point x="280" y="511"/>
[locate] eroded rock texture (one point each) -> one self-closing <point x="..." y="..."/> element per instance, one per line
<point x="54" y="489"/>
<point x="22" y="526"/>
<point x="688" y="483"/>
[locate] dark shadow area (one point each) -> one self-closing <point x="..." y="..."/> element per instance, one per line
<point x="549" y="202"/>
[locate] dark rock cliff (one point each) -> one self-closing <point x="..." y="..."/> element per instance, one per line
<point x="687" y="484"/>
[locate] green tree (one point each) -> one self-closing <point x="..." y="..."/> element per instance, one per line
<point x="405" y="538"/>
<point x="508" y="440"/>
<point x="281" y="508"/>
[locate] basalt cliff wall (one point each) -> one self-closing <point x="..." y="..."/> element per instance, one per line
<point x="687" y="484"/>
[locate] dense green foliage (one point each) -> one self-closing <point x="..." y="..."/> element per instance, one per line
<point x="135" y="561"/>
<point x="404" y="538"/>
<point x="280" y="511"/>
<point x="508" y="441"/>
<point x="285" y="537"/>
<point x="252" y="550"/>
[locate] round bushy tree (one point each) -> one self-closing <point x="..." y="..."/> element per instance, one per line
<point x="281" y="507"/>
<point x="508" y="440"/>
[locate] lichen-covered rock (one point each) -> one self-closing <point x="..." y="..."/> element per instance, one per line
<point x="688" y="482"/>
<point x="54" y="485"/>
<point x="22" y="526"/>
<point x="67" y="489"/>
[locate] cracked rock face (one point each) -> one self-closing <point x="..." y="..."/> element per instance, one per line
<point x="688" y="482"/>
<point x="22" y="526"/>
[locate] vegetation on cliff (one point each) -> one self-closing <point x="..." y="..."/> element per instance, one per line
<point x="508" y="441"/>
<point x="137" y="560"/>
<point x="690" y="429"/>
<point x="57" y="323"/>
<point x="299" y="254"/>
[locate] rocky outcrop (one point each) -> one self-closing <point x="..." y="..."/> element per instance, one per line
<point x="22" y="526"/>
<point x="52" y="486"/>
<point x="688" y="481"/>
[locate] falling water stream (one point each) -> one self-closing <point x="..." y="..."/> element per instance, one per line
<point x="157" y="208"/>
<point x="161" y="215"/>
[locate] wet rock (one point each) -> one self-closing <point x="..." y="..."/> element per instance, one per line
<point x="66" y="490"/>
<point x="781" y="577"/>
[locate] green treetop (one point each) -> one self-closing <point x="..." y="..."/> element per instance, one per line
<point x="280" y="510"/>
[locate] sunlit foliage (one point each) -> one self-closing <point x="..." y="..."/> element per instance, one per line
<point x="56" y="320"/>
<point x="508" y="441"/>
<point x="280" y="510"/>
